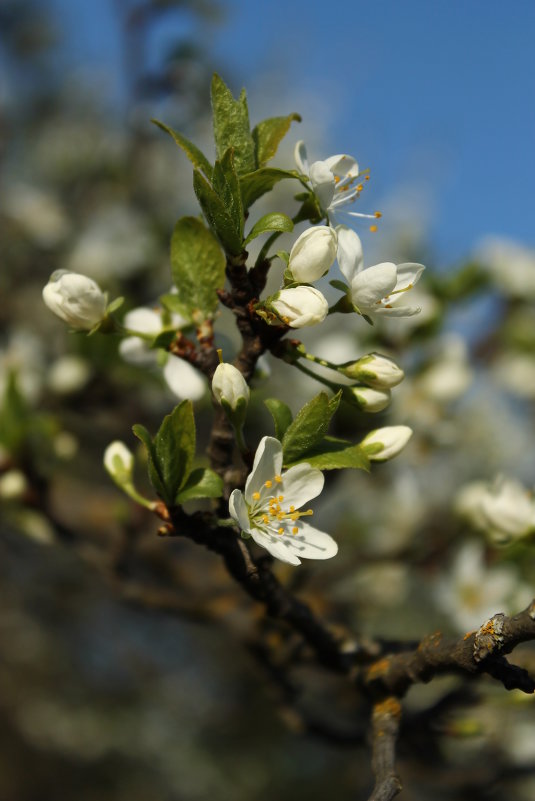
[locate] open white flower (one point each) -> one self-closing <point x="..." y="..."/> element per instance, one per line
<point x="268" y="508"/>
<point x="508" y="509"/>
<point x="336" y="181"/>
<point x="377" y="289"/>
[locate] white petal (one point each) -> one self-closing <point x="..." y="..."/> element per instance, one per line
<point x="323" y="183"/>
<point x="183" y="379"/>
<point x="267" y="464"/>
<point x="397" y="311"/>
<point x="310" y="543"/>
<point x="373" y="284"/>
<point x="300" y="484"/>
<point x="276" y="545"/>
<point x="408" y="274"/>
<point x="342" y="165"/>
<point x="238" y="510"/>
<point x="349" y="253"/>
<point x="301" y="158"/>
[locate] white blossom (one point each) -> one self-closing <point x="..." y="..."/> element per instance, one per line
<point x="76" y="299"/>
<point x="336" y="181"/>
<point x="231" y="391"/>
<point x="375" y="290"/>
<point x="508" y="509"/>
<point x="268" y="508"/>
<point x="300" y="306"/>
<point x="313" y="254"/>
<point x="385" y="443"/>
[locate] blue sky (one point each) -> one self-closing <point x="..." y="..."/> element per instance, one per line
<point x="437" y="97"/>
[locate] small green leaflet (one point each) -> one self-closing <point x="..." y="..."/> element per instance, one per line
<point x="268" y="134"/>
<point x="197" y="267"/>
<point x="282" y="416"/>
<point x="276" y="221"/>
<point x="309" y="427"/>
<point x="231" y="126"/>
<point x="196" y="156"/>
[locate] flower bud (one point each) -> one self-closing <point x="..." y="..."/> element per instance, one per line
<point x="313" y="254"/>
<point x="385" y="443"/>
<point x="367" y="399"/>
<point x="119" y="462"/>
<point x="509" y="511"/>
<point x="300" y="306"/>
<point x="377" y="371"/>
<point x="231" y="391"/>
<point x="76" y="299"/>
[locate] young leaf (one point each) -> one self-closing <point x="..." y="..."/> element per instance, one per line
<point x="231" y="125"/>
<point x="174" y="449"/>
<point x="227" y="186"/>
<point x="202" y="483"/>
<point x="268" y="134"/>
<point x="155" y="477"/>
<point x="282" y="415"/>
<point x="335" y="454"/>
<point x="255" y="184"/>
<point x="215" y="212"/>
<point x="197" y="266"/>
<point x="309" y="426"/>
<point x="170" y="454"/>
<point x="196" y="156"/>
<point x="276" y="221"/>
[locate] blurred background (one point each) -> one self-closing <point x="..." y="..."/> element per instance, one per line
<point x="131" y="668"/>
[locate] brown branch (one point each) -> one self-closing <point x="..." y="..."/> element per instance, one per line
<point x="386" y="717"/>
<point x="477" y="652"/>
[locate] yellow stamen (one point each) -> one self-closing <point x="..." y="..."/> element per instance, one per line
<point x="256" y="496"/>
<point x="280" y="498"/>
<point x="373" y="228"/>
<point x="278" y="479"/>
<point x="281" y="530"/>
<point x="292" y="508"/>
<point x="268" y="484"/>
<point x="377" y="214"/>
<point x="265" y="518"/>
<point x="295" y="530"/>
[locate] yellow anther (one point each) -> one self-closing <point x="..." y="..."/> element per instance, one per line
<point x="294" y="516"/>
<point x="373" y="228"/>
<point x="367" y="178"/>
<point x="281" y="530"/>
<point x="280" y="498"/>
<point x="265" y="518"/>
<point x="268" y="484"/>
<point x="377" y="214"/>
<point x="337" y="179"/>
<point x="273" y="512"/>
<point x="360" y="187"/>
<point x="292" y="508"/>
<point x="295" y="530"/>
<point x="278" y="479"/>
<point x="256" y="496"/>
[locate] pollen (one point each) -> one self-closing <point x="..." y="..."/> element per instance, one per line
<point x="268" y="484"/>
<point x="256" y="496"/>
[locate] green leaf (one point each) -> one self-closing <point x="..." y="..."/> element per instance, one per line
<point x="197" y="267"/>
<point x="340" y="285"/>
<point x="156" y="479"/>
<point x="227" y="186"/>
<point x="309" y="426"/>
<point x="114" y="305"/>
<point x="202" y="483"/>
<point x="196" y="156"/>
<point x="335" y="454"/>
<point x="231" y="125"/>
<point x="255" y="184"/>
<point x="170" y="454"/>
<point x="268" y="134"/>
<point x="174" y="449"/>
<point x="215" y="212"/>
<point x="276" y="221"/>
<point x="282" y="415"/>
<point x="15" y="415"/>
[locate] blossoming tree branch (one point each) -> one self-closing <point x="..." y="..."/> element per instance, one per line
<point x="252" y="497"/>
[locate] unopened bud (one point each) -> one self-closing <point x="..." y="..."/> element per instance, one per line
<point x="76" y="299"/>
<point x="300" y="307"/>
<point x="313" y="254"/>
<point x="367" y="399"/>
<point x="375" y="370"/>
<point x="385" y="443"/>
<point x="231" y="391"/>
